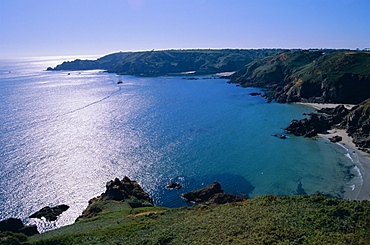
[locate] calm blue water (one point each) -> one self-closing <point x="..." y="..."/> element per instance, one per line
<point x="62" y="137"/>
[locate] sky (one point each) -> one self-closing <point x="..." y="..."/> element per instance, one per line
<point x="30" y="28"/>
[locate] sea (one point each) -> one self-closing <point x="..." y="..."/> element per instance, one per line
<point x="65" y="134"/>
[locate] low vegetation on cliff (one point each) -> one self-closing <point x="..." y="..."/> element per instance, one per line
<point x="261" y="220"/>
<point x="124" y="214"/>
<point x="310" y="76"/>
<point x="158" y="63"/>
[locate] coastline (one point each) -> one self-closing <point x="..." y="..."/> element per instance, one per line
<point x="360" y="159"/>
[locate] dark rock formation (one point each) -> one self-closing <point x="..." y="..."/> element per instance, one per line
<point x="176" y="186"/>
<point x="254" y="94"/>
<point x="29" y="230"/>
<point x="357" y="124"/>
<point x="11" y="224"/>
<point x="17" y="226"/>
<point x="281" y="136"/>
<point x="204" y="194"/>
<point x="222" y="198"/>
<point x="335" y="115"/>
<point x="212" y="194"/>
<point x="50" y="214"/>
<point x="309" y="127"/>
<point x="124" y="190"/>
<point x="317" y="123"/>
<point x="121" y="190"/>
<point x="335" y="139"/>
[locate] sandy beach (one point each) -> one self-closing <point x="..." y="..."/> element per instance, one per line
<point x="360" y="158"/>
<point x="319" y="106"/>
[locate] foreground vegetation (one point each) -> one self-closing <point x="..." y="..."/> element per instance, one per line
<point x="262" y="220"/>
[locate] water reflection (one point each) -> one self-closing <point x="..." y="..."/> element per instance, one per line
<point x="62" y="137"/>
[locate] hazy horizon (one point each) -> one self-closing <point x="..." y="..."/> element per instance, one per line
<point x="95" y="27"/>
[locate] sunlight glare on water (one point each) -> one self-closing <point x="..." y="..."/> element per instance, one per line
<point x="64" y="134"/>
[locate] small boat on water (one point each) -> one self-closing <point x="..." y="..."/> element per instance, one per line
<point x="119" y="81"/>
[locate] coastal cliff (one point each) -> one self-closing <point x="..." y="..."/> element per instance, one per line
<point x="158" y="63"/>
<point x="357" y="124"/>
<point x="323" y="76"/>
<point x="267" y="219"/>
<point x="310" y="76"/>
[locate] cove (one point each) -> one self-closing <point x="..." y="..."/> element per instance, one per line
<point x="64" y="136"/>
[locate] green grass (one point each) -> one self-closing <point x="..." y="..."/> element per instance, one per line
<point x="261" y="220"/>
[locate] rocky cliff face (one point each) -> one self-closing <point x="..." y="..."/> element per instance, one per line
<point x="119" y="191"/>
<point x="357" y="124"/>
<point x="355" y="121"/>
<point x="338" y="77"/>
<point x="317" y="123"/>
<point x="212" y="194"/>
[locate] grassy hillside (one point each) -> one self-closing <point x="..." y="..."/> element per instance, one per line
<point x="311" y="76"/>
<point x="156" y="63"/>
<point x="261" y="220"/>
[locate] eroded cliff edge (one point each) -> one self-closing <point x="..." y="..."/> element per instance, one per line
<point x="310" y="76"/>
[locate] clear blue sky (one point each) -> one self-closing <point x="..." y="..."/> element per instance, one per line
<point x="99" y="27"/>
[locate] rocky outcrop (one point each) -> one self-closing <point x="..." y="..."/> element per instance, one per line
<point x="317" y="123"/>
<point x="17" y="226"/>
<point x="121" y="190"/>
<point x="335" y="139"/>
<point x="174" y="185"/>
<point x="308" y="127"/>
<point x="281" y="136"/>
<point x="124" y="190"/>
<point x="357" y="124"/>
<point x="50" y="214"/>
<point x="212" y="194"/>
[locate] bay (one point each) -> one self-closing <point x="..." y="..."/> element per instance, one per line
<point x="63" y="135"/>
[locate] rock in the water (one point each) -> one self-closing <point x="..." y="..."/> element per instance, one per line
<point x="204" y="194"/>
<point x="50" y="214"/>
<point x="281" y="136"/>
<point x="11" y="224"/>
<point x="176" y="186"/>
<point x="222" y="198"/>
<point x="17" y="226"/>
<point x="29" y="230"/>
<point x="124" y="190"/>
<point x="212" y="194"/>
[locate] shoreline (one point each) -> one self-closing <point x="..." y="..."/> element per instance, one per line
<point x="360" y="159"/>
